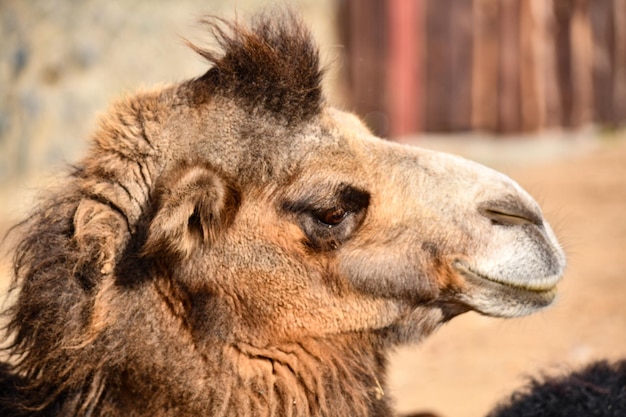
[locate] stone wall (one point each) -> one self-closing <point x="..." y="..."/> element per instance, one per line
<point x="63" y="61"/>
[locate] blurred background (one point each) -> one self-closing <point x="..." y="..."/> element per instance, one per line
<point x="534" y="88"/>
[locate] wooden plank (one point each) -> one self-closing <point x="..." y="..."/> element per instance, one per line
<point x="509" y="117"/>
<point x="461" y="47"/>
<point x="581" y="64"/>
<point x="365" y="40"/>
<point x="601" y="17"/>
<point x="437" y="65"/>
<point x="532" y="80"/>
<point x="485" y="65"/>
<point x="562" y="15"/>
<point x="550" y="67"/>
<point x="619" y="73"/>
<point x="448" y="65"/>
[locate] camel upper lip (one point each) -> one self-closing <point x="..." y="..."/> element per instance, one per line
<point x="543" y="285"/>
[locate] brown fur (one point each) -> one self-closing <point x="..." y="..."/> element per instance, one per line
<point x="234" y="246"/>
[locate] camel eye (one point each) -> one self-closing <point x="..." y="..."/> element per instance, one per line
<point x="331" y="217"/>
<point x="329" y="220"/>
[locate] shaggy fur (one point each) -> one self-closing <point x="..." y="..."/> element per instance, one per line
<point x="274" y="66"/>
<point x="233" y="246"/>
<point x="598" y="390"/>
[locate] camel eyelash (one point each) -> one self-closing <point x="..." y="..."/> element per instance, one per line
<point x="346" y="198"/>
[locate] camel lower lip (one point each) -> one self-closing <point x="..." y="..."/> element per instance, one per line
<point x="499" y="298"/>
<point x="467" y="271"/>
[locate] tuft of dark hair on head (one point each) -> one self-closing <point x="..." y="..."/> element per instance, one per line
<point x="272" y="64"/>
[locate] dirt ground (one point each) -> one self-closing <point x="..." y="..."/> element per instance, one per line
<point x="474" y="361"/>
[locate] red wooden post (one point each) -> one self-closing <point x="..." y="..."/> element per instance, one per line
<point x="403" y="78"/>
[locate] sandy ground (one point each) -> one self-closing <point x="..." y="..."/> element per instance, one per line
<point x="474" y="361"/>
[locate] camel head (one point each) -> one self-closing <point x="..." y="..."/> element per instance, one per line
<point x="306" y="224"/>
<point x="234" y="241"/>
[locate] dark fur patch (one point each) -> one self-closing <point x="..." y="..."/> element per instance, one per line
<point x="597" y="390"/>
<point x="271" y="65"/>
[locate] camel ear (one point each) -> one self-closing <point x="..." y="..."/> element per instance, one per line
<point x="194" y="205"/>
<point x="100" y="234"/>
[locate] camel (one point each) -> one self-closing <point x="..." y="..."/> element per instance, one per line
<point x="598" y="390"/>
<point x="233" y="245"/>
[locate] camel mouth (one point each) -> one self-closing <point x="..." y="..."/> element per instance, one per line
<point x="543" y="289"/>
<point x="501" y="298"/>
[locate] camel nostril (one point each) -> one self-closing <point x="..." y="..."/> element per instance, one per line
<point x="510" y="212"/>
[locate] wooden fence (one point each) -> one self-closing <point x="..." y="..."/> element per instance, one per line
<point x="502" y="66"/>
